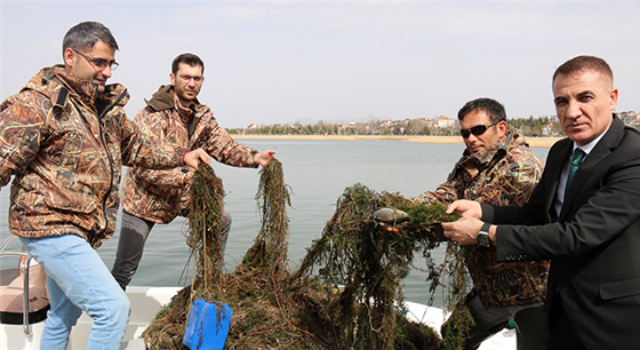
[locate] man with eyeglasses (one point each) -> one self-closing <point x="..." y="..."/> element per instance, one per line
<point x="63" y="138"/>
<point x="496" y="167"/>
<point x="151" y="197"/>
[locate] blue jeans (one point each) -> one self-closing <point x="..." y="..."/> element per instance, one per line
<point x="78" y="280"/>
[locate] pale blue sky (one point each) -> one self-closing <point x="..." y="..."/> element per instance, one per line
<point x="277" y="62"/>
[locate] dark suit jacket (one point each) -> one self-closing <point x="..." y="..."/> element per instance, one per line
<point x="594" y="244"/>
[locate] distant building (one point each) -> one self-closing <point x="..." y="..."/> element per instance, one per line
<point x="443" y="122"/>
<point x="630" y="118"/>
<point x="547" y="130"/>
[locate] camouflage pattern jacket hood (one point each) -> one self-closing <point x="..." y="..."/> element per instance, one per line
<point x="504" y="174"/>
<point x="161" y="195"/>
<point x="64" y="143"/>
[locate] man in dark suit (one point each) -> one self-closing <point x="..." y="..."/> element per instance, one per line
<point x="584" y="215"/>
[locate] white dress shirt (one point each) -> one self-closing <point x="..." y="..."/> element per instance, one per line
<point x="562" y="186"/>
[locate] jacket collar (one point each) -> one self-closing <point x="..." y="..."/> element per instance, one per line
<point x="164" y="99"/>
<point x="490" y="156"/>
<point x="610" y="141"/>
<point x="51" y="81"/>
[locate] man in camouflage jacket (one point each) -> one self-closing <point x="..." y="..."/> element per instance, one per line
<point x="173" y="115"/>
<point x="64" y="138"/>
<point x="496" y="168"/>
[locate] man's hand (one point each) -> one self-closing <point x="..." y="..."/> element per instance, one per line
<point x="194" y="158"/>
<point x="463" y="231"/>
<point x="466" y="208"/>
<point x="264" y="157"/>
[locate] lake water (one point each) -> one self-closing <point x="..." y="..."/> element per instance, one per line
<point x="318" y="172"/>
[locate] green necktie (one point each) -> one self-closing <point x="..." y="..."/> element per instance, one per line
<point x="576" y="159"/>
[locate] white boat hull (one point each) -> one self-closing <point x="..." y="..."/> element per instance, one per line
<point x="147" y="301"/>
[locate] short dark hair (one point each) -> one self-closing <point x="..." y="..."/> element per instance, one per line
<point x="84" y="35"/>
<point x="493" y="108"/>
<point x="584" y="63"/>
<point x="186" y="58"/>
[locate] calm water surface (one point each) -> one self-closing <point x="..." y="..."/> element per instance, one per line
<point x="318" y="172"/>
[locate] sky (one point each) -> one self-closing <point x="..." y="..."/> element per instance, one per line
<point x="270" y="62"/>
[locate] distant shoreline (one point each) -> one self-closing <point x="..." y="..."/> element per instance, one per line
<point x="534" y="142"/>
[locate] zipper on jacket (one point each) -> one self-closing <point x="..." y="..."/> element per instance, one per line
<point x="104" y="145"/>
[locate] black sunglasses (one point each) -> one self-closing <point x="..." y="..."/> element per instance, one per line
<point x="101" y="63"/>
<point x="477" y="130"/>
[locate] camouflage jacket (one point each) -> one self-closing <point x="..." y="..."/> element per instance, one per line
<point x="504" y="174"/>
<point x="64" y="143"/>
<point x="161" y="195"/>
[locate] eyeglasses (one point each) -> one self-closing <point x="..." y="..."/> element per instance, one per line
<point x="101" y="63"/>
<point x="187" y="79"/>
<point x="477" y="130"/>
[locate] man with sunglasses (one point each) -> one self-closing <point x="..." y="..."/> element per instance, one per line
<point x="584" y="215"/>
<point x="64" y="138"/>
<point x="151" y="197"/>
<point x="497" y="167"/>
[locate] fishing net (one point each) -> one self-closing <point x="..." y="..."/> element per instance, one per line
<point x="347" y="293"/>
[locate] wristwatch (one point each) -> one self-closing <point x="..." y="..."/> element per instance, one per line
<point x="483" y="235"/>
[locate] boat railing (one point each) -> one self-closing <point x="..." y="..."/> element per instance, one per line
<point x="25" y="294"/>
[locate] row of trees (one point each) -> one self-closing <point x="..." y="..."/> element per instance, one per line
<point x="415" y="127"/>
<point x="535" y="126"/>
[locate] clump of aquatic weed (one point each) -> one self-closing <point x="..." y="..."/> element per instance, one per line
<point x="205" y="212"/>
<point x="347" y="293"/>
<point x="368" y="264"/>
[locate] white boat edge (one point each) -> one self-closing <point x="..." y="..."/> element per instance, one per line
<point x="145" y="304"/>
<point x="147" y="301"/>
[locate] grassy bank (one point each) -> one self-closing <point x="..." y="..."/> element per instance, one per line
<point x="535" y="142"/>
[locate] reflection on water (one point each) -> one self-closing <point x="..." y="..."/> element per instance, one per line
<point x="318" y="172"/>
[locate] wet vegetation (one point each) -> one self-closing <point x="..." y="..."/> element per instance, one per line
<point x="347" y="293"/>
